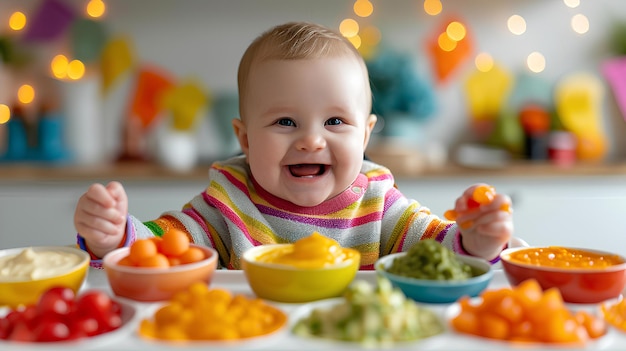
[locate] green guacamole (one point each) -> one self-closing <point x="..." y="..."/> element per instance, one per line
<point x="428" y="259"/>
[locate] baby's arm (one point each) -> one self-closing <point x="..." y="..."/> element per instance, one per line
<point x="100" y="217"/>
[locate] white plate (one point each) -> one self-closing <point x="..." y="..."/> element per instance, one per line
<point x="129" y="323"/>
<point x="493" y="344"/>
<point x="327" y="344"/>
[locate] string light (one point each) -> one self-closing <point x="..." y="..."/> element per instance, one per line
<point x="445" y="42"/>
<point x="349" y="27"/>
<point x="5" y="113"/>
<point x="26" y="94"/>
<point x="75" y="69"/>
<point x="536" y="62"/>
<point x="17" y="21"/>
<point x="363" y="8"/>
<point x="516" y="24"/>
<point x="456" y="31"/>
<point x="370" y="35"/>
<point x="483" y="62"/>
<point x="58" y="65"/>
<point x="571" y="3"/>
<point x="96" y="8"/>
<point x="433" y="7"/>
<point x="580" y="24"/>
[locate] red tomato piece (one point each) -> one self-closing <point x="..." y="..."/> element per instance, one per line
<point x="51" y="329"/>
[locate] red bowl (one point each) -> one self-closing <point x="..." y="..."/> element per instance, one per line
<point x="577" y="285"/>
<point x="156" y="284"/>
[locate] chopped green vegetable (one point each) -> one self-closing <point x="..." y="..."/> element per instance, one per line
<point x="374" y="317"/>
<point x="429" y="259"/>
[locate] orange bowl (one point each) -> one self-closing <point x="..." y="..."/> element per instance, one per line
<point x="577" y="285"/>
<point x="156" y="284"/>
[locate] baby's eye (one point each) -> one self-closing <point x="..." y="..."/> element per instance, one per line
<point x="286" y="122"/>
<point x="335" y="121"/>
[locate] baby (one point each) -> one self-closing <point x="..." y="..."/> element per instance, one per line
<point x="305" y="121"/>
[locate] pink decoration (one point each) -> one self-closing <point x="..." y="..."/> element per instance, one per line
<point x="614" y="71"/>
<point x="49" y="22"/>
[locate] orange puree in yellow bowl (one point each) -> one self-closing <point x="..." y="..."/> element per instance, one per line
<point x="314" y="251"/>
<point x="563" y="257"/>
<point x="312" y="268"/>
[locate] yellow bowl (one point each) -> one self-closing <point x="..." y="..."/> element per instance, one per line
<point x="15" y="291"/>
<point x="284" y="283"/>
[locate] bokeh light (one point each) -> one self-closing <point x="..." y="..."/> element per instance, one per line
<point x="445" y="42"/>
<point x="349" y="27"/>
<point x="536" y="62"/>
<point x="75" y="69"/>
<point x="580" y="24"/>
<point x="26" y="94"/>
<point x="96" y="8"/>
<point x="571" y="3"/>
<point x="58" y="66"/>
<point x="5" y="113"/>
<point x="433" y="7"/>
<point x="370" y="35"/>
<point x="355" y="40"/>
<point x="363" y="8"/>
<point x="483" y="62"/>
<point x="516" y="24"/>
<point x="456" y="31"/>
<point x="17" y="21"/>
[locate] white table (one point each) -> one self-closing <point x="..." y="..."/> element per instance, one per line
<point x="235" y="282"/>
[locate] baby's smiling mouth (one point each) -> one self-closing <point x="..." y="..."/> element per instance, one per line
<point x="307" y="170"/>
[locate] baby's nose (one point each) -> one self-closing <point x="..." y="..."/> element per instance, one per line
<point x="311" y="141"/>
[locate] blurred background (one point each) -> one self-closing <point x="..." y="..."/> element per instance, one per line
<point x="107" y="77"/>
<point x="527" y="95"/>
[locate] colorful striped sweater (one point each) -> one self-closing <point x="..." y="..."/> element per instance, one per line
<point x="234" y="214"/>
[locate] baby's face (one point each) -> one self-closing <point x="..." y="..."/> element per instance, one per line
<point x="306" y="126"/>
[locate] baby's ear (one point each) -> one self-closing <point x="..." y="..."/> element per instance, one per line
<point x="242" y="135"/>
<point x="369" y="127"/>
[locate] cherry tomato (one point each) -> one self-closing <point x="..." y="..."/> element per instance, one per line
<point x="56" y="301"/>
<point x="86" y="325"/>
<point x="96" y="304"/>
<point x="51" y="328"/>
<point x="21" y="332"/>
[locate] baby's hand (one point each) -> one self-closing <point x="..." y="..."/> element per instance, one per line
<point x="100" y="217"/>
<point x="485" y="220"/>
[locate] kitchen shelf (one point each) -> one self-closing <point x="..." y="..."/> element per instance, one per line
<point x="146" y="171"/>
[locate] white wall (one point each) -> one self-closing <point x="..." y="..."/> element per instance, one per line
<point x="206" y="38"/>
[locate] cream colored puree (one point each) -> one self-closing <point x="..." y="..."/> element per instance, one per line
<point x="313" y="251"/>
<point x="31" y="264"/>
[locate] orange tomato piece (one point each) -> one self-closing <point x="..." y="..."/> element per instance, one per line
<point x="450" y="215"/>
<point x="595" y="327"/>
<point x="175" y="242"/>
<point x="155" y="261"/>
<point x="142" y="249"/>
<point x="466" y="322"/>
<point x="484" y="194"/>
<point x="126" y="261"/>
<point x="158" y="241"/>
<point x="493" y="326"/>
<point x="193" y="254"/>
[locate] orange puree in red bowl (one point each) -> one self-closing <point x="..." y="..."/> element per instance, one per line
<point x="563" y="257"/>
<point x="581" y="275"/>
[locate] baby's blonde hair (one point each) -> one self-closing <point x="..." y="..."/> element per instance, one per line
<point x="295" y="41"/>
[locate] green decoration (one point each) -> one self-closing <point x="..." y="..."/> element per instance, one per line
<point x="618" y="38"/>
<point x="508" y="133"/>
<point x="88" y="38"/>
